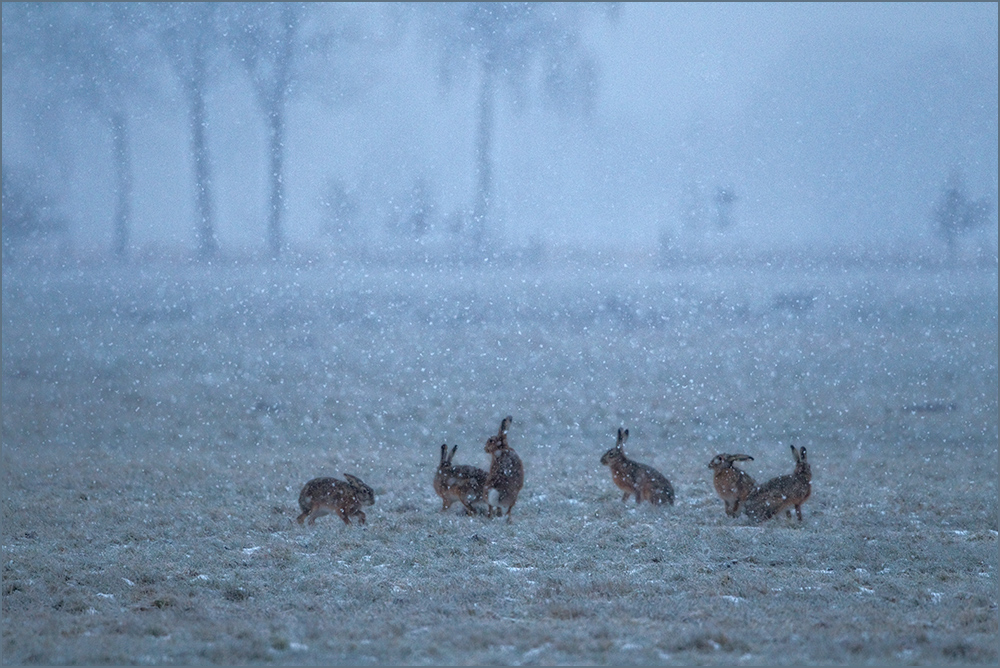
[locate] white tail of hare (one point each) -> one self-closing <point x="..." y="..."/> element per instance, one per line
<point x="322" y="496"/>
<point x="635" y="478"/>
<point x="783" y="492"/>
<point x="506" y="476"/>
<point x="732" y="484"/>
<point x="459" y="483"/>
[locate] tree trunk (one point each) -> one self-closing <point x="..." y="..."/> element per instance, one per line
<point x="207" y="244"/>
<point x="123" y="174"/>
<point x="484" y="164"/>
<point x="277" y="130"/>
<point x="952" y="242"/>
<point x="274" y="107"/>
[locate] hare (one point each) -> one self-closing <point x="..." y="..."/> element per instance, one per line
<point x="322" y="496"/>
<point x="783" y="492"/>
<point x="635" y="478"/>
<point x="506" y="476"/>
<point x="732" y="484"/>
<point x="459" y="483"/>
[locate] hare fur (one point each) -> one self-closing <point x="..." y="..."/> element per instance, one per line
<point x="630" y="476"/>
<point x="459" y="483"/>
<point x="506" y="475"/>
<point x="322" y="496"/>
<point x="782" y="493"/>
<point x="731" y="484"/>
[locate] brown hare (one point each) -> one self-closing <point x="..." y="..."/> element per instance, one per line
<point x="732" y="484"/>
<point x="506" y="476"/>
<point x="322" y="496"/>
<point x="783" y="492"/>
<point x="459" y="483"/>
<point x="635" y="478"/>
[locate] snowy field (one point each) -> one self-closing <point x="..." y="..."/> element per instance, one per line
<point x="158" y="425"/>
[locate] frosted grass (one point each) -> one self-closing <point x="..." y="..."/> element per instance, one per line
<point x="158" y="425"/>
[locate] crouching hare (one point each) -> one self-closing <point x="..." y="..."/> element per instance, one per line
<point x="634" y="478"/>
<point x="782" y="493"/>
<point x="459" y="483"/>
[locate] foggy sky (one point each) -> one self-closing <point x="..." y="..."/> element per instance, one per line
<point x="837" y="121"/>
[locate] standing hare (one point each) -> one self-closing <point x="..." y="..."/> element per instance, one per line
<point x="459" y="483"/>
<point x="322" y="496"/>
<point x="783" y="492"/>
<point x="506" y="476"/>
<point x="635" y="478"/>
<point x="732" y="484"/>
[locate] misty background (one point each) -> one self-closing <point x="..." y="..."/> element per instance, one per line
<point x="724" y="227"/>
<point x="649" y="130"/>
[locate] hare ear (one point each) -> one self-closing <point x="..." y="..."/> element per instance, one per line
<point x="795" y="453"/>
<point x="739" y="458"/>
<point x="505" y="425"/>
<point x="354" y="482"/>
<point x="444" y="452"/>
<point x="622" y="437"/>
<point x="802" y="453"/>
<point x="453" y="449"/>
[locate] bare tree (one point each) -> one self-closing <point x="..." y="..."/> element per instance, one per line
<point x="724" y="199"/>
<point x="955" y="214"/>
<point x="282" y="46"/>
<point x="264" y="38"/>
<point x="190" y="35"/>
<point x="504" y="40"/>
<point x="94" y="54"/>
<point x="28" y="212"/>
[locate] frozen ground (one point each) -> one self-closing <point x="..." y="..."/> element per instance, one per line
<point x="158" y="425"/>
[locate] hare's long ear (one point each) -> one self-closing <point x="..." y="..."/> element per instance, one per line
<point x="505" y="425"/>
<point x="802" y="453"/>
<point x="738" y="458"/>
<point x="453" y="449"/>
<point x="622" y="437"/>
<point x="795" y="453"/>
<point x="444" y="452"/>
<point x="354" y="482"/>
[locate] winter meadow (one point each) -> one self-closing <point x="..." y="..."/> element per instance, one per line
<point x="157" y="429"/>
<point x="248" y="245"/>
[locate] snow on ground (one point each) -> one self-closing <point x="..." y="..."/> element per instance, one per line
<point x="158" y="424"/>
